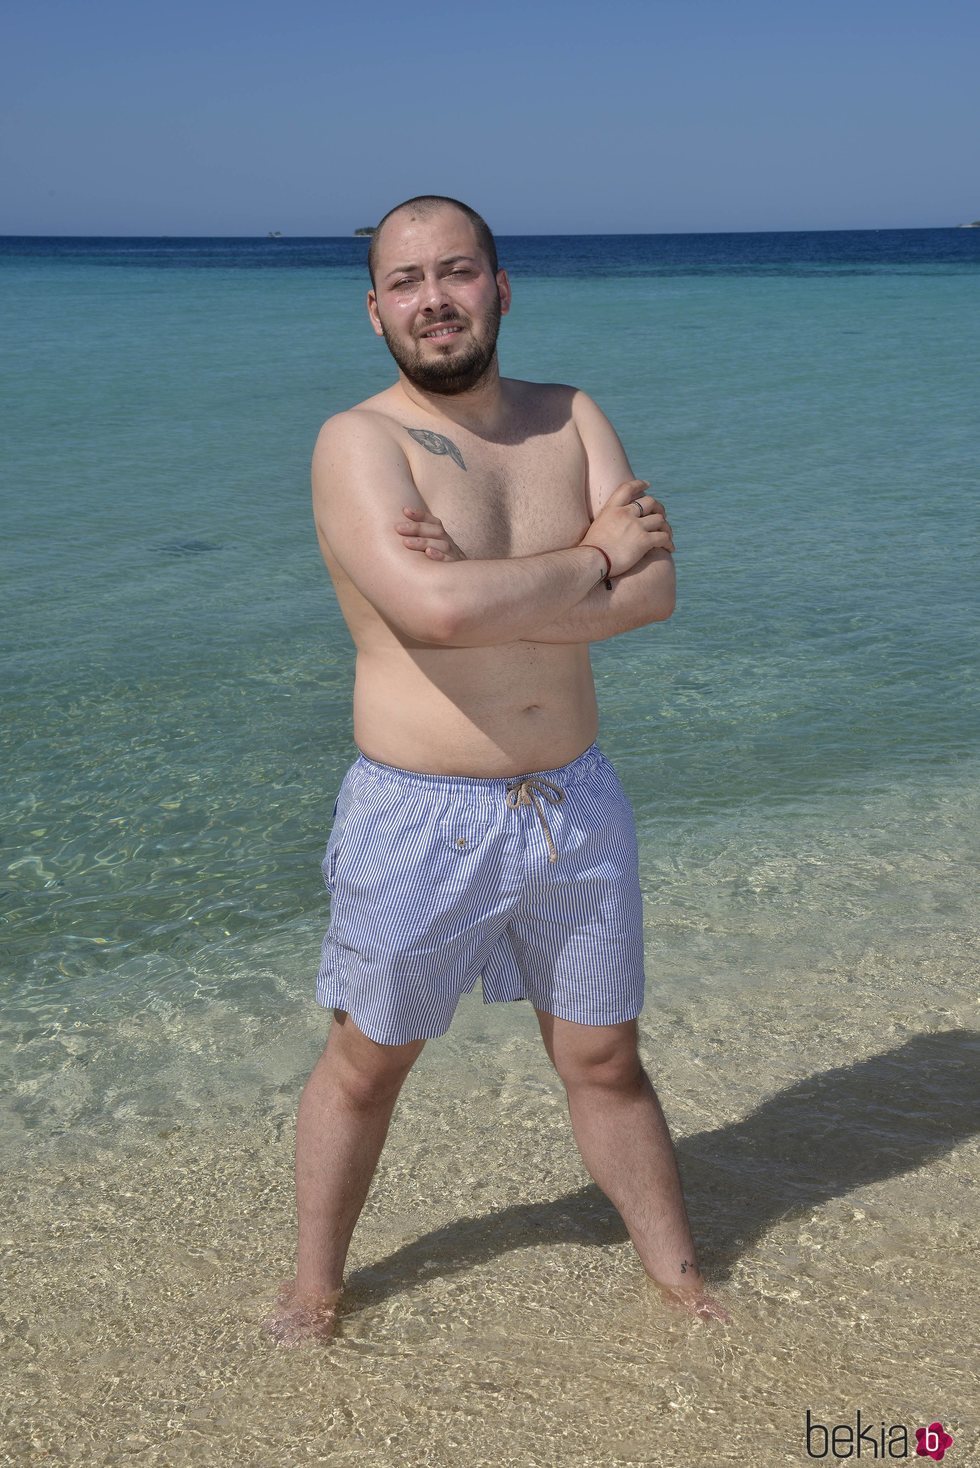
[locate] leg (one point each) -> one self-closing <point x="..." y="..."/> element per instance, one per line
<point x="625" y="1143"/>
<point x="344" y="1114"/>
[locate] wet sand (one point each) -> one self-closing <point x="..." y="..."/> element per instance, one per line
<point x="495" y="1310"/>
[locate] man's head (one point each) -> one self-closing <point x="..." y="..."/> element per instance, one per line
<point x="437" y="294"/>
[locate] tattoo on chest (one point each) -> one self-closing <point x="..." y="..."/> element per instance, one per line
<point x="437" y="443"/>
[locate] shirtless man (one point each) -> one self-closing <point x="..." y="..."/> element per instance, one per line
<point x="481" y="831"/>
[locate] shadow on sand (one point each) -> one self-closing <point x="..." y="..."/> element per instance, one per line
<point x="822" y="1138"/>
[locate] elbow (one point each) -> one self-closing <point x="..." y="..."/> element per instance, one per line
<point x="451" y="628"/>
<point x="437" y="622"/>
<point x="427" y="610"/>
<point x="665" y="589"/>
<point x="453" y="620"/>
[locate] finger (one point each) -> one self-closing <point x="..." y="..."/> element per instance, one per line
<point x="414" y="512"/>
<point x="653" y="529"/>
<point x="627" y="491"/>
<point x="653" y="519"/>
<point x="434" y="528"/>
<point x="427" y="542"/>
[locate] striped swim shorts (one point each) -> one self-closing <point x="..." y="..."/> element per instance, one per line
<point x="529" y="882"/>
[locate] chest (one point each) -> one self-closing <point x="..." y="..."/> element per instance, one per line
<point x="517" y="499"/>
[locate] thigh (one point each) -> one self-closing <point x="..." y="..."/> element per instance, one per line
<point x="417" y="872"/>
<point x="577" y="937"/>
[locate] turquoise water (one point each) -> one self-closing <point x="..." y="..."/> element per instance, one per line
<point x="800" y="745"/>
<point x="178" y="679"/>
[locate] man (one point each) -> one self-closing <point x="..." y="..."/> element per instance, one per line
<point x="480" y="832"/>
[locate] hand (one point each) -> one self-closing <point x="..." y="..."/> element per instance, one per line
<point x="422" y="531"/>
<point x="630" y="524"/>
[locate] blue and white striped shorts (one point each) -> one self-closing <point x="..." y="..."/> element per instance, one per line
<point x="529" y="881"/>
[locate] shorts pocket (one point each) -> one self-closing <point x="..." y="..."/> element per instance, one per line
<point x="344" y="810"/>
<point x="329" y="864"/>
<point x="462" y="833"/>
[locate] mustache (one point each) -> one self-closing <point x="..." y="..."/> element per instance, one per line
<point x="443" y="321"/>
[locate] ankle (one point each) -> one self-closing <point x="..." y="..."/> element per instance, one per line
<point x="320" y="1290"/>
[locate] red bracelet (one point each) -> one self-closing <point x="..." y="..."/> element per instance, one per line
<point x="605" y="579"/>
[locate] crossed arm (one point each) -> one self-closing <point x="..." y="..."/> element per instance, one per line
<point x="361" y="478"/>
<point x="641" y="595"/>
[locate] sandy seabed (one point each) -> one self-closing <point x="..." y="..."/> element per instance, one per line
<point x="495" y="1310"/>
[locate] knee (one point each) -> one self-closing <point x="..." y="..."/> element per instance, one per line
<point x="608" y="1067"/>
<point x="367" y="1090"/>
<point x="367" y="1074"/>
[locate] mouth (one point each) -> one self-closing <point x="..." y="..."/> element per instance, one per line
<point x="440" y="333"/>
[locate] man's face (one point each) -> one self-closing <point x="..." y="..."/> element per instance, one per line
<point x="435" y="301"/>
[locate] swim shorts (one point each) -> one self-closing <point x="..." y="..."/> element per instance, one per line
<point x="529" y="882"/>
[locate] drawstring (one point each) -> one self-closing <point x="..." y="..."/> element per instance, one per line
<point x="522" y="792"/>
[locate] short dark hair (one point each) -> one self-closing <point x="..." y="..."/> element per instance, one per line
<point x="427" y="204"/>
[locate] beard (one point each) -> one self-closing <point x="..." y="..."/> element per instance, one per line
<point x="454" y="373"/>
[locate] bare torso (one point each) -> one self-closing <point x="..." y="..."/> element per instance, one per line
<point x="500" y="710"/>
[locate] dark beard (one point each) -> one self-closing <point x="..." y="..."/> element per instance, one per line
<point x="449" y="375"/>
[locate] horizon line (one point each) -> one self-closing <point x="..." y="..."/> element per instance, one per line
<point x="501" y="234"/>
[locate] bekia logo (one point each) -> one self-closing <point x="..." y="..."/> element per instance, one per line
<point x="933" y="1441"/>
<point x="842" y="1440"/>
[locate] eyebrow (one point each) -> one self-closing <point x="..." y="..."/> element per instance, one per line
<point x="447" y="260"/>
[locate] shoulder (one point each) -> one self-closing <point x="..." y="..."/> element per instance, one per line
<point x="362" y="426"/>
<point x="358" y="447"/>
<point x="548" y="406"/>
<point x="575" y="404"/>
<point x="522" y="391"/>
<point x="587" y="413"/>
<point x="543" y="391"/>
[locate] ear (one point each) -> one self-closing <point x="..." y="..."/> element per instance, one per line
<point x="503" y="286"/>
<point x="372" y="308"/>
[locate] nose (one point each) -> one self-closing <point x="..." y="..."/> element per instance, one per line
<point x="433" y="296"/>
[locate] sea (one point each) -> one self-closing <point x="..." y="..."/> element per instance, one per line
<point x="800" y="745"/>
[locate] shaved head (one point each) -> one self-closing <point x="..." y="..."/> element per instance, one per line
<point x="425" y="205"/>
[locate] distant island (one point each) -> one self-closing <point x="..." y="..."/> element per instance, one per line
<point x="274" y="234"/>
<point x="975" y="225"/>
<point x="367" y="231"/>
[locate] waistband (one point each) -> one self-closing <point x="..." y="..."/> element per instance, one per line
<point x="530" y="788"/>
<point x="580" y="768"/>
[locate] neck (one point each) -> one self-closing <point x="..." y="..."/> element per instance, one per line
<point x="481" y="408"/>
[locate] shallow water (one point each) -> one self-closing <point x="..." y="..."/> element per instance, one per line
<point x="799" y="743"/>
<point x="494" y="1306"/>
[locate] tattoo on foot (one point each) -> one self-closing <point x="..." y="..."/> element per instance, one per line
<point x="437" y="443"/>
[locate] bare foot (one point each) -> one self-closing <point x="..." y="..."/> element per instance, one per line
<point x="693" y="1299"/>
<point x="298" y="1318"/>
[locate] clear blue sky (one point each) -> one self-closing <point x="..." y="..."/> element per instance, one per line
<point x="312" y="117"/>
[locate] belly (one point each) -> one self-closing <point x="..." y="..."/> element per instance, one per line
<point x="489" y="711"/>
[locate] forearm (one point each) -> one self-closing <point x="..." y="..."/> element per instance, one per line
<point x="489" y="602"/>
<point x="644" y="594"/>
